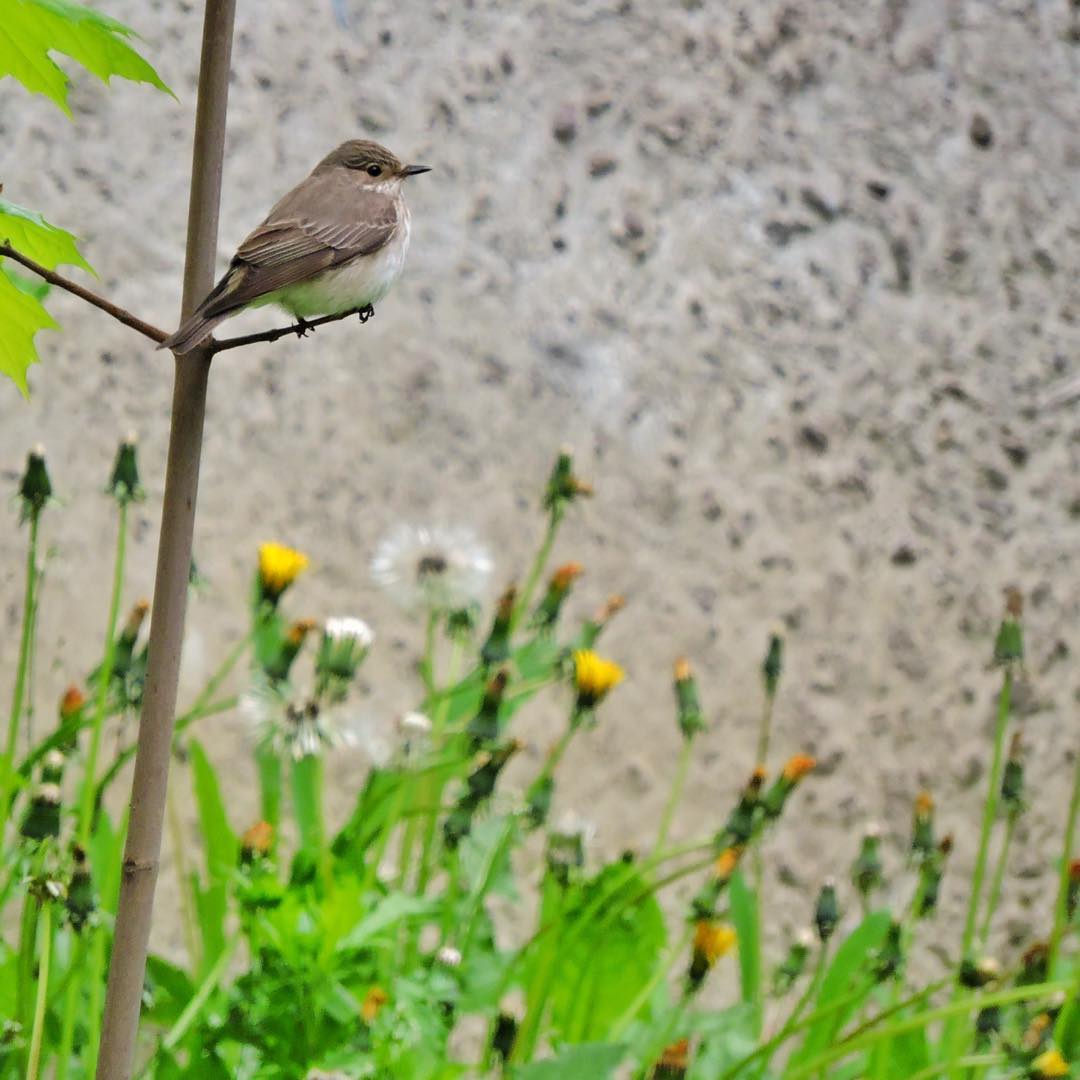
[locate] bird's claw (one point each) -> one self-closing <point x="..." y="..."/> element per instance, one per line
<point x="366" y="313"/>
<point x="303" y="327"/>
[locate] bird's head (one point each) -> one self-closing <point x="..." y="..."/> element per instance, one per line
<point x="373" y="165"/>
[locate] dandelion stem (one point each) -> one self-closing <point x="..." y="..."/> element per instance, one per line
<point x="45" y="932"/>
<point x="675" y="797"/>
<point x="661" y="972"/>
<point x="71" y="1006"/>
<point x="7" y="775"/>
<point x="537" y="569"/>
<point x="86" y="805"/>
<point x="1061" y="911"/>
<point x="765" y="730"/>
<point x="998" y="880"/>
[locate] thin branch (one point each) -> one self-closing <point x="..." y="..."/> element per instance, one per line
<point x="154" y="333"/>
<point x="300" y="329"/>
<point x="53" y="278"/>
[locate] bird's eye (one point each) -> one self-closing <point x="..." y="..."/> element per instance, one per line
<point x="374" y="170"/>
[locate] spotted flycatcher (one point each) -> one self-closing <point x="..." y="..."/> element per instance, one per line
<point x="334" y="244"/>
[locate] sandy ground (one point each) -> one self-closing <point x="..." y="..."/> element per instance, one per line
<point x="794" y="279"/>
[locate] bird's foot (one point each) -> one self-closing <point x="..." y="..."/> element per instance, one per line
<point x="303" y="327"/>
<point x="366" y="312"/>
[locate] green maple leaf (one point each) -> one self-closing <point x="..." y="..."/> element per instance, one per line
<point x="21" y="313"/>
<point x="32" y="29"/>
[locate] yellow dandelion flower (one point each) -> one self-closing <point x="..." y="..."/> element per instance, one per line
<point x="279" y="567"/>
<point x="374" y="1000"/>
<point x="798" y="765"/>
<point x="726" y="863"/>
<point x="1050" y="1064"/>
<point x="713" y="940"/>
<point x="594" y="677"/>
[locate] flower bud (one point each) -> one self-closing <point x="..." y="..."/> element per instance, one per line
<point x="42" y="817"/>
<point x="922" y="828"/>
<point x="373" y="1001"/>
<point x="483" y="728"/>
<point x="563" y="487"/>
<point x="565" y="855"/>
<point x="345" y="643"/>
<point x="538" y="801"/>
<point x="889" y="961"/>
<point x="124" y="485"/>
<point x="674" y="1062"/>
<point x="794" y="964"/>
<point x="479" y="786"/>
<point x="276" y="654"/>
<point x="1009" y="643"/>
<point x="497" y="647"/>
<point x="80" y="901"/>
<point x="740" y="825"/>
<point x="773" y="665"/>
<point x="590" y="632"/>
<point x="257" y="842"/>
<point x="547" y="611"/>
<point x="867" y="872"/>
<point x="797" y="766"/>
<point x="975" y="974"/>
<point x="504" y="1036"/>
<point x="690" y="716"/>
<point x="827" y="911"/>
<point x="35" y="487"/>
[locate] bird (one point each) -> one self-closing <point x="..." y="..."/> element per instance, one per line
<point x="334" y="244"/>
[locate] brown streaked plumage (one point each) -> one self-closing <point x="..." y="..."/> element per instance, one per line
<point x="335" y="243"/>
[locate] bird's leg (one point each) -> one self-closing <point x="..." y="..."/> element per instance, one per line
<point x="303" y="327"/>
<point x="366" y="312"/>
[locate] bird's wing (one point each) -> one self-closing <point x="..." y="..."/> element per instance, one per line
<point x="326" y="221"/>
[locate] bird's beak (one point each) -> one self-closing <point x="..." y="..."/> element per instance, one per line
<point x="415" y="170"/>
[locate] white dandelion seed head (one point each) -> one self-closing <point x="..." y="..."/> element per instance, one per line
<point x="349" y="628"/>
<point x="437" y="567"/>
<point x="806" y="937"/>
<point x="413" y="724"/>
<point x="294" y="728"/>
<point x="449" y="957"/>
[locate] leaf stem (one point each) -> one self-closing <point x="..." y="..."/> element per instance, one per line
<point x="45" y="932"/>
<point x="675" y="797"/>
<point x="1061" y="910"/>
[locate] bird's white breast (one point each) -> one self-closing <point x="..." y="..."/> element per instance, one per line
<point x="365" y="280"/>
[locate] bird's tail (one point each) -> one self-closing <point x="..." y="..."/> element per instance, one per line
<point x="194" y="329"/>
<point x="214" y="309"/>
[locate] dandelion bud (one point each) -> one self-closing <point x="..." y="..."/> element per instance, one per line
<point x="827" y="911"/>
<point x="497" y="647"/>
<point x="483" y="728"/>
<point x="794" y="964"/>
<point x="72" y="702"/>
<point x="373" y="1001"/>
<point x="931" y="871"/>
<point x="1012" y="778"/>
<point x="741" y="824"/>
<point x="1009" y="643"/>
<point x="42" y="817"/>
<point x="711" y="941"/>
<point x="594" y="678"/>
<point x="279" y="567"/>
<point x="674" y="1062"/>
<point x="773" y="665"/>
<point x="922" y="829"/>
<point x="1049" y="1065"/>
<point x="35" y="487"/>
<point x="565" y="854"/>
<point x="690" y="716"/>
<point x="889" y="961"/>
<point x="80" y="902"/>
<point x="547" y="611"/>
<point x="975" y="974"/>
<point x="276" y="654"/>
<point x="257" y="842"/>
<point x="797" y="766"/>
<point x="478" y="788"/>
<point x="1072" y="897"/>
<point x="867" y="872"/>
<point x="449" y="957"/>
<point x="504" y="1036"/>
<point x="124" y="485"/>
<point x="1034" y="964"/>
<point x="461" y="622"/>
<point x="987" y="1023"/>
<point x="563" y="487"/>
<point x="593" y="627"/>
<point x="345" y="643"/>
